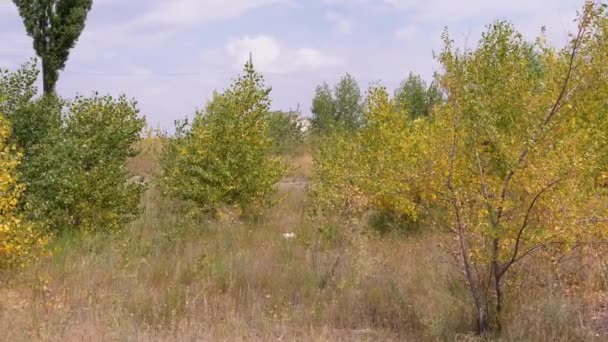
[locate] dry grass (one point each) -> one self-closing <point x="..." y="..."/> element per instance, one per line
<point x="175" y="276"/>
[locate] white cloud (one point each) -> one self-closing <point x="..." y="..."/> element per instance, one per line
<point x="180" y="13"/>
<point x="340" y="23"/>
<point x="158" y="49"/>
<point x="307" y="58"/>
<point x="269" y="55"/>
<point x="159" y="23"/>
<point x="449" y="11"/>
<point x="266" y="50"/>
<point x="466" y="16"/>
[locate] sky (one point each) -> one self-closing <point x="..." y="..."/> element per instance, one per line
<point x="170" y="55"/>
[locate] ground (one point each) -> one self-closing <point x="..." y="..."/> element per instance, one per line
<point x="175" y="275"/>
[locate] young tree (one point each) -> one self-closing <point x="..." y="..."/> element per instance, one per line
<point x="519" y="146"/>
<point x="55" y="26"/>
<point x="515" y="158"/>
<point x="225" y="157"/>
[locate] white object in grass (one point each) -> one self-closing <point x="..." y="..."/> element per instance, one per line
<point x="289" y="236"/>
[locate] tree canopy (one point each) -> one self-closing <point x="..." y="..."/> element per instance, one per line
<point x="341" y="108"/>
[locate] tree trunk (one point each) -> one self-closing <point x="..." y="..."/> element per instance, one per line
<point x="483" y="323"/>
<point x="499" y="298"/>
<point x="49" y="78"/>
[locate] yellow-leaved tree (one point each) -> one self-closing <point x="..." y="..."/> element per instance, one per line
<point x="378" y="168"/>
<point x="19" y="242"/>
<point x="513" y="161"/>
<point x="520" y="145"/>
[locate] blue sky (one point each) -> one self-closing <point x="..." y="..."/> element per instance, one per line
<point x="171" y="54"/>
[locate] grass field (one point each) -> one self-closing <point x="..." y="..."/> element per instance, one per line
<point x="175" y="275"/>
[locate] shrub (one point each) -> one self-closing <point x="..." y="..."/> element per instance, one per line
<point x="224" y="157"/>
<point x="77" y="176"/>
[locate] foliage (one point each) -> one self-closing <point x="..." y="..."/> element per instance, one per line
<point x="348" y="100"/>
<point x="19" y="242"/>
<point x="55" y="26"/>
<point x="285" y="130"/>
<point x="34" y="121"/>
<point x="528" y="130"/>
<point x="416" y="98"/>
<point x="373" y="170"/>
<point x="341" y="109"/>
<point x="514" y="160"/>
<point x="224" y="157"/>
<point x="77" y="176"/>
<point x="323" y="108"/>
<point x="17" y="88"/>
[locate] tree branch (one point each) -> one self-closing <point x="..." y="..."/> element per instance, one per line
<point x="520" y="233"/>
<point x="593" y="220"/>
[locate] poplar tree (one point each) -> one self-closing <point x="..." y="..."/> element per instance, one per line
<point x="55" y="26"/>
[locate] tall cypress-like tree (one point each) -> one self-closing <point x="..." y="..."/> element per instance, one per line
<point x="55" y="26"/>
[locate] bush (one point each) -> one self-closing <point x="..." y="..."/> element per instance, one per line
<point x="388" y="221"/>
<point x="77" y="176"/>
<point x="224" y="157"/>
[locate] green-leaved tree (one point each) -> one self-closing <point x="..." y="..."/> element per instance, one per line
<point x="415" y="97"/>
<point x="323" y="109"/>
<point x="225" y="157"/>
<point x="340" y="109"/>
<point x="348" y="103"/>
